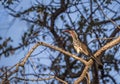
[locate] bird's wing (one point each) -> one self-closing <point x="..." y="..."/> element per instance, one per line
<point x="85" y="49"/>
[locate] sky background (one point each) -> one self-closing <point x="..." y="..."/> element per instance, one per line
<point x="14" y="27"/>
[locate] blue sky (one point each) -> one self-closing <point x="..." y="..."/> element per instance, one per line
<point x="15" y="28"/>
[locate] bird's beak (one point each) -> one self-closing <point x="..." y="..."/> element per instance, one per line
<point x="66" y="31"/>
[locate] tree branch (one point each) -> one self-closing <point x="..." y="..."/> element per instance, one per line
<point x="90" y="62"/>
<point x="41" y="79"/>
<point x="22" y="63"/>
<point x="114" y="23"/>
<point x="107" y="46"/>
<point x="61" y="50"/>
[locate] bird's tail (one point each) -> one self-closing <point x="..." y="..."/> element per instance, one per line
<point x="96" y="60"/>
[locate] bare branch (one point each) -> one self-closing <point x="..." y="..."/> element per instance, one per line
<point x="90" y="62"/>
<point x="114" y="23"/>
<point x="102" y="39"/>
<point x="107" y="46"/>
<point x="64" y="82"/>
<point x="34" y="79"/>
<point x="82" y="75"/>
<point x="41" y="79"/>
<point x="61" y="50"/>
<point x="22" y="63"/>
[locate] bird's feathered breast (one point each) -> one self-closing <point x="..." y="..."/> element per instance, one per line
<point x="80" y="47"/>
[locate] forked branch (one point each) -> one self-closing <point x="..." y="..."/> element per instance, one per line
<point x="87" y="64"/>
<point x="97" y="54"/>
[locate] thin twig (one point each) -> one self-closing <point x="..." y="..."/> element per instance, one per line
<point x="114" y="23"/>
<point x="64" y="52"/>
<point x="102" y="39"/>
<point x="64" y="82"/>
<point x="40" y="79"/>
<point x="34" y="79"/>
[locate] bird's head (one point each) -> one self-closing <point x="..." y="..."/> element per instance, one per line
<point x="72" y="33"/>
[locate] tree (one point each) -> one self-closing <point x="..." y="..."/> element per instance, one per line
<point x="53" y="60"/>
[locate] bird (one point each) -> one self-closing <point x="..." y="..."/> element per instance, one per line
<point x="81" y="47"/>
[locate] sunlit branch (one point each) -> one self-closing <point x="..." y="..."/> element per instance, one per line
<point x="87" y="64"/>
<point x="65" y="52"/>
<point x="22" y="63"/>
<point x="90" y="62"/>
<point x="40" y="79"/>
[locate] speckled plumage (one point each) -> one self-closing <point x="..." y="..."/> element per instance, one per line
<point x="80" y="47"/>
